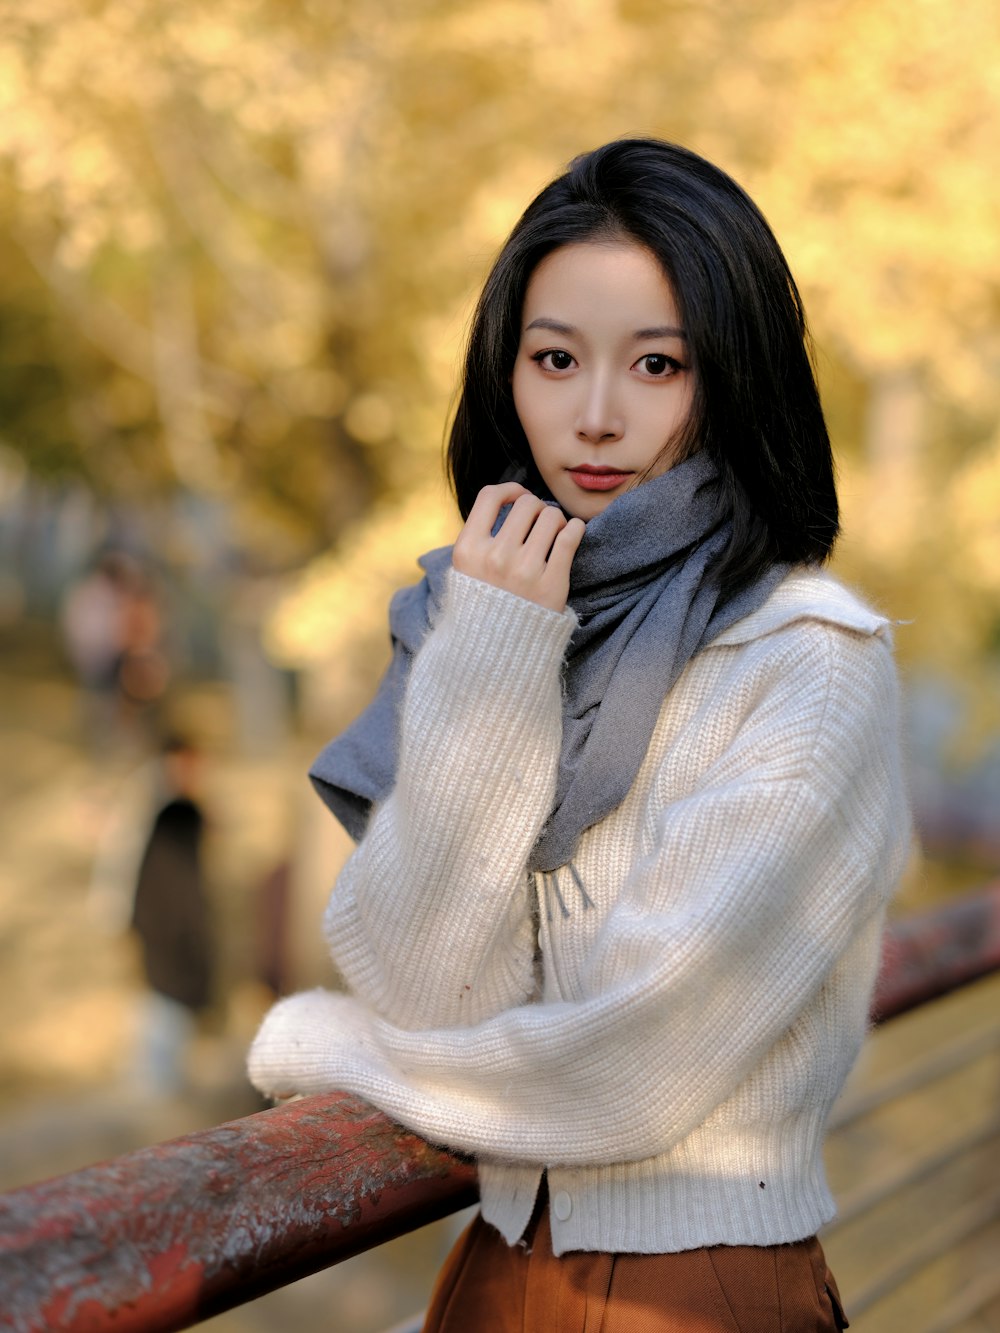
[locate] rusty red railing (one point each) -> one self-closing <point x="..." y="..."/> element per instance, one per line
<point x="933" y="953"/>
<point x="167" y="1236"/>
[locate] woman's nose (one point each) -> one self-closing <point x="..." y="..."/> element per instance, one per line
<point x="600" y="418"/>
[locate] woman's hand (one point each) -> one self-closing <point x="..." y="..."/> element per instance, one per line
<point x="532" y="553"/>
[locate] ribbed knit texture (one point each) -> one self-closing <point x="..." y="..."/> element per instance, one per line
<point x="698" y="1018"/>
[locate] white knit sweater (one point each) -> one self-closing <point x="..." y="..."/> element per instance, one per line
<point x="664" y="1024"/>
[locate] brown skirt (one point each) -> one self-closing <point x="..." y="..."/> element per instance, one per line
<point x="487" y="1286"/>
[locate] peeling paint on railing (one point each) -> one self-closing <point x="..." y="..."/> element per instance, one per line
<point x="166" y="1236"/>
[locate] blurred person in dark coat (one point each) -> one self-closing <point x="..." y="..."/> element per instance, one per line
<point x="171" y="918"/>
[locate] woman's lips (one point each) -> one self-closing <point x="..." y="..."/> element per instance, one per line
<point x="598" y="478"/>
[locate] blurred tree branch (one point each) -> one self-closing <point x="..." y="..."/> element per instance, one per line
<point x="270" y="217"/>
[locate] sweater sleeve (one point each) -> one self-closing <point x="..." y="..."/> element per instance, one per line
<point x="430" y="922"/>
<point x="756" y="884"/>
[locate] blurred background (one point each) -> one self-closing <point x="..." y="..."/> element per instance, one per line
<point x="239" y="245"/>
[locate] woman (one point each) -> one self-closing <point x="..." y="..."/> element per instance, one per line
<point x="629" y="800"/>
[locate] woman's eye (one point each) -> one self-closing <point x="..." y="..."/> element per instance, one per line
<point x="658" y="364"/>
<point x="554" y="360"/>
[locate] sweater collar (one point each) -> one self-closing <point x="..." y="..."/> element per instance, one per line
<point x="807" y="593"/>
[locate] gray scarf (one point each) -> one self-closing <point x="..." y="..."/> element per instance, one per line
<point x="645" y="603"/>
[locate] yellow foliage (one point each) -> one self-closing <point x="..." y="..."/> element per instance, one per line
<point x="326" y="184"/>
<point x="974" y="503"/>
<point x="344" y="596"/>
<point x="369" y="418"/>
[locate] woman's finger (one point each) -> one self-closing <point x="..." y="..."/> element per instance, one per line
<point x="548" y="523"/>
<point x="560" y="560"/>
<point x="488" y="503"/>
<point x="524" y="513"/>
<point x="476" y="538"/>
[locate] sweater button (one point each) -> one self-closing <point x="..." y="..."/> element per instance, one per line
<point x="562" y="1206"/>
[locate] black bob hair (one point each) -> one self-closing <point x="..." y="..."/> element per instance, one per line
<point x="756" y="407"/>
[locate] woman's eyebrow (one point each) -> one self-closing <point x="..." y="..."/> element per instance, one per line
<point x="660" y="331"/>
<point x="553" y="325"/>
<point x="640" y="335"/>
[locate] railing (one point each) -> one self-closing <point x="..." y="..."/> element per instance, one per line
<point x="913" y="1151"/>
<point x="165" y="1237"/>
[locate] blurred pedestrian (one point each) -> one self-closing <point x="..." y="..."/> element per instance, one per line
<point x="172" y="920"/>
<point x="92" y="621"/>
<point x="113" y="627"/>
<point x="143" y="668"/>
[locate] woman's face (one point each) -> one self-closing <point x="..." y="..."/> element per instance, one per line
<point x="602" y="384"/>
